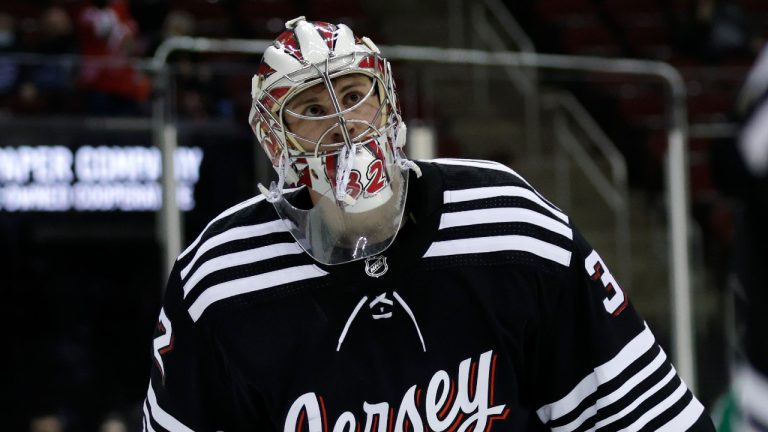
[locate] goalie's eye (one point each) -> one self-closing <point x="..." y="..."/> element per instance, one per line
<point x="314" y="110"/>
<point x="353" y="98"/>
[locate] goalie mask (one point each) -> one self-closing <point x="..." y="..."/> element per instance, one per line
<point x="325" y="112"/>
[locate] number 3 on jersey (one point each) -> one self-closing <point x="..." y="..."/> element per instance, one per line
<point x="616" y="300"/>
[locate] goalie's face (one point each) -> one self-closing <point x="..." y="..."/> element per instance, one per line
<point x="323" y="118"/>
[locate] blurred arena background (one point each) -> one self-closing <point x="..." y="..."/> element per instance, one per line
<point x="87" y="118"/>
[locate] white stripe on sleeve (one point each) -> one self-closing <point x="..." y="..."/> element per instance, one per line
<point x="617" y="394"/>
<point x="500" y="243"/>
<point x="455" y="196"/>
<point x="234" y="234"/>
<point x="635" y="403"/>
<point x="240" y="258"/>
<point x="685" y="419"/>
<point x="162" y="418"/>
<point x="147" y="423"/>
<point x="224" y="214"/>
<point x="601" y="374"/>
<point x="498" y="215"/>
<point x="486" y="164"/>
<point x="658" y="409"/>
<point x="477" y="163"/>
<point x="251" y="284"/>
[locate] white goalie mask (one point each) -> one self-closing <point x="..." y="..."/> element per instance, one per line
<point x="326" y="113"/>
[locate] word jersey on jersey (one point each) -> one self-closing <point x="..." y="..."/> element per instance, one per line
<point x="489" y="312"/>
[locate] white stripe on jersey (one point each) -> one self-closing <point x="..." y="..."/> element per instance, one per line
<point x="233" y="234"/>
<point x="454" y="196"/>
<point x="147" y="423"/>
<point x="616" y="395"/>
<point x="685" y="419"/>
<point x="504" y="214"/>
<point x="487" y="165"/>
<point x="251" y="284"/>
<point x="477" y="163"/>
<point x="751" y="391"/>
<point x="635" y="403"/>
<point x="601" y="374"/>
<point x="224" y="214"/>
<point x="240" y="258"/>
<point x="658" y="409"/>
<point x="500" y="243"/>
<point x="162" y="418"/>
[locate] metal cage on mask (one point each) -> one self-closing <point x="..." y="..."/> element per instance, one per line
<point x="268" y="115"/>
<point x="357" y="183"/>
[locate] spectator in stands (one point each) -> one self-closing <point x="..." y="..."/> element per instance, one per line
<point x="717" y="30"/>
<point x="190" y="97"/>
<point x="150" y="16"/>
<point x="38" y="87"/>
<point x="200" y="92"/>
<point x="179" y="23"/>
<point x="199" y="95"/>
<point x="113" y="85"/>
<point x="27" y="100"/>
<point x="57" y="32"/>
<point x="54" y="79"/>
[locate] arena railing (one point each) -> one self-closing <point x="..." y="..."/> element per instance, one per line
<point x="614" y="190"/>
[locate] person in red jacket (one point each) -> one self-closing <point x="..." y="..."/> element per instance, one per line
<point x="112" y="83"/>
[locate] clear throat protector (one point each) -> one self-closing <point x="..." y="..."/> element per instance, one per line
<point x="344" y="139"/>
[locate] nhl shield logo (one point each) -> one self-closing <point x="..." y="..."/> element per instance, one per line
<point x="376" y="266"/>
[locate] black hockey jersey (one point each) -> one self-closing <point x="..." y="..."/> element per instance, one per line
<point x="488" y="313"/>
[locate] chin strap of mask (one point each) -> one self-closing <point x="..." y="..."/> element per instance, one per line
<point x="406" y="164"/>
<point x="398" y="136"/>
<point x="275" y="191"/>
